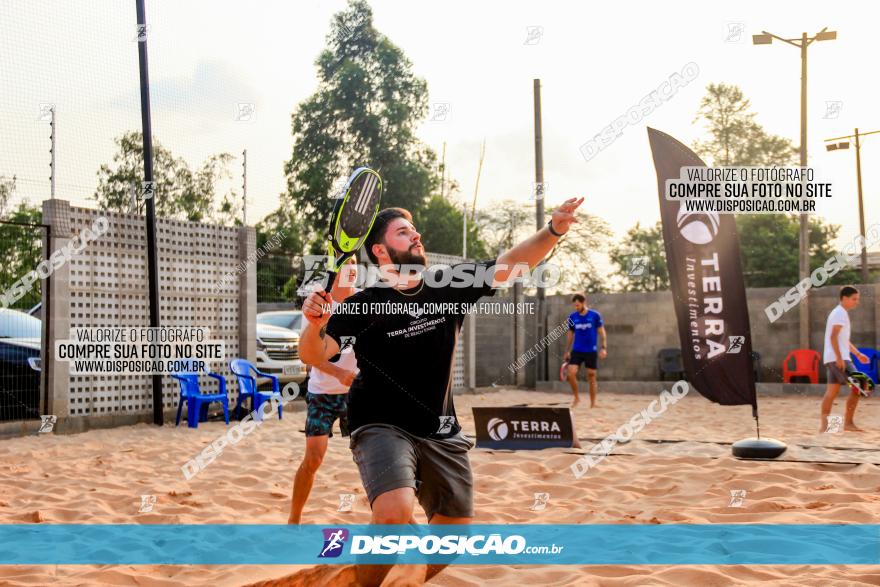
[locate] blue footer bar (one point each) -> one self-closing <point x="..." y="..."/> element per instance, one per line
<point x="521" y="544"/>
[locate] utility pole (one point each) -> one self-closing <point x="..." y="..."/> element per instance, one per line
<point x="804" y="236"/>
<point x="477" y="186"/>
<point x="244" y="188"/>
<point x="443" y="171"/>
<point x="464" y="229"/>
<point x="861" y="208"/>
<point x="802" y="43"/>
<point x="152" y="248"/>
<point x="542" y="364"/>
<point x="52" y="152"/>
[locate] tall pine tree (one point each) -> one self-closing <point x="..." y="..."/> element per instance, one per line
<point x="364" y="113"/>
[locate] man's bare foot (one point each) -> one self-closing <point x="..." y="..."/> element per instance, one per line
<point x="822" y="429"/>
<point x="292" y="520"/>
<point x="852" y="428"/>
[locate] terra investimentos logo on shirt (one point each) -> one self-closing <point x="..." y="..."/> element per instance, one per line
<point x="499" y="429"/>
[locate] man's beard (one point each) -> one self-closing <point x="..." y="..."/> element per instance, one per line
<point x="407" y="257"/>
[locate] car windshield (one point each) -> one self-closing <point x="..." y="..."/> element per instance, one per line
<point x="18" y="325"/>
<point x="291" y="320"/>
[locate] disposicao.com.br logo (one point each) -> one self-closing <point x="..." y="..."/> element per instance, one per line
<point x="430" y="544"/>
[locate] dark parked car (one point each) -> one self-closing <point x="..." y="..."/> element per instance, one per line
<point x="19" y="365"/>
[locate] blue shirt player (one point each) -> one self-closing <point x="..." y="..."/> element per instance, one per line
<point x="587" y="343"/>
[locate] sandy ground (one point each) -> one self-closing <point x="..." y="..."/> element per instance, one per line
<point x="99" y="476"/>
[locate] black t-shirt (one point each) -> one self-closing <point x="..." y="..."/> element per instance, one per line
<point x="405" y="359"/>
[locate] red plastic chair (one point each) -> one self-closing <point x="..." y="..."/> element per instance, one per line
<point x="806" y="364"/>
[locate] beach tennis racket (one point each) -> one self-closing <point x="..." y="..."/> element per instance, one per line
<point x="563" y="371"/>
<point x="860" y="383"/>
<point x="353" y="216"/>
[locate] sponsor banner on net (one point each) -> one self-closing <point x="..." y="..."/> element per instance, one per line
<point x="139" y="350"/>
<point x="523" y="428"/>
<point x="477" y="544"/>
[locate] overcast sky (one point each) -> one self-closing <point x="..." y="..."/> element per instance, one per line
<point x="595" y="60"/>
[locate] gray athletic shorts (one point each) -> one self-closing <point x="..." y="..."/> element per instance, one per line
<point x="439" y="470"/>
<point x="835" y="375"/>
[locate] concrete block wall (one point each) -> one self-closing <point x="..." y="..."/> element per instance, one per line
<point x="106" y="285"/>
<point x="640" y="324"/>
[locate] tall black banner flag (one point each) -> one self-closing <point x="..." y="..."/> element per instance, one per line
<point x="705" y="275"/>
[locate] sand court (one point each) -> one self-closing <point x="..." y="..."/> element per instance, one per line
<point x="677" y="470"/>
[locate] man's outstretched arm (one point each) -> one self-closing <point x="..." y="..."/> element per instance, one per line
<point x="532" y="250"/>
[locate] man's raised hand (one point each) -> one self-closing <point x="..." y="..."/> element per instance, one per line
<point x="316" y="308"/>
<point x="563" y="217"/>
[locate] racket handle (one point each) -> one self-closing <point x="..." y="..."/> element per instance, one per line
<point x="331" y="277"/>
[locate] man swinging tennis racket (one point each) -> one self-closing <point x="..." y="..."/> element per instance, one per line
<point x="405" y="437"/>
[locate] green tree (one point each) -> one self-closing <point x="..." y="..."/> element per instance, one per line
<point x="279" y="270"/>
<point x="576" y="254"/>
<point x="363" y="113"/>
<point x="641" y="259"/>
<point x="440" y="224"/>
<point x="768" y="242"/>
<point x="504" y="224"/>
<point x="21" y="247"/>
<point x="509" y="222"/>
<point x="769" y="248"/>
<point x="180" y="192"/>
<point x="735" y="138"/>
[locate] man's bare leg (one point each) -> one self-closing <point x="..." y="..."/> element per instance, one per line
<point x="831" y="392"/>
<point x="573" y="381"/>
<point x="316" y="448"/>
<point x="851" y="403"/>
<point x="408" y="575"/>
<point x="594" y="386"/>
<point x="440" y="519"/>
<point x="392" y="507"/>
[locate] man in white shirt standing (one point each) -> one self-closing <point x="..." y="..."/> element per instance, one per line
<point x="836" y="358"/>
<point x="327" y="400"/>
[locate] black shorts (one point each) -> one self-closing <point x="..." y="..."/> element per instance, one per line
<point x="835" y="374"/>
<point x="437" y="469"/>
<point x="589" y="360"/>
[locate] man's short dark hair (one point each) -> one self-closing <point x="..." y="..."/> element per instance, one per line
<point x="380" y="226"/>
<point x="579" y="297"/>
<point x="847" y="291"/>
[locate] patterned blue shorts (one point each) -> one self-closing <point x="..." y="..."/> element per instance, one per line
<point x="323" y="409"/>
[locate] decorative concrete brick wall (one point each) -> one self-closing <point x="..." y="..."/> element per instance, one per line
<point x="640" y="324"/>
<point x="463" y="365"/>
<point x="106" y="285"/>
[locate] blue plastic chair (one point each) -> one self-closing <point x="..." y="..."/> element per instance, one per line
<point x="871" y="367"/>
<point x="247" y="387"/>
<point x="197" y="402"/>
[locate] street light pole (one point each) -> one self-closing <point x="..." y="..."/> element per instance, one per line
<point x="844" y="144"/>
<point x="802" y="43"/>
<point x="804" y="234"/>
